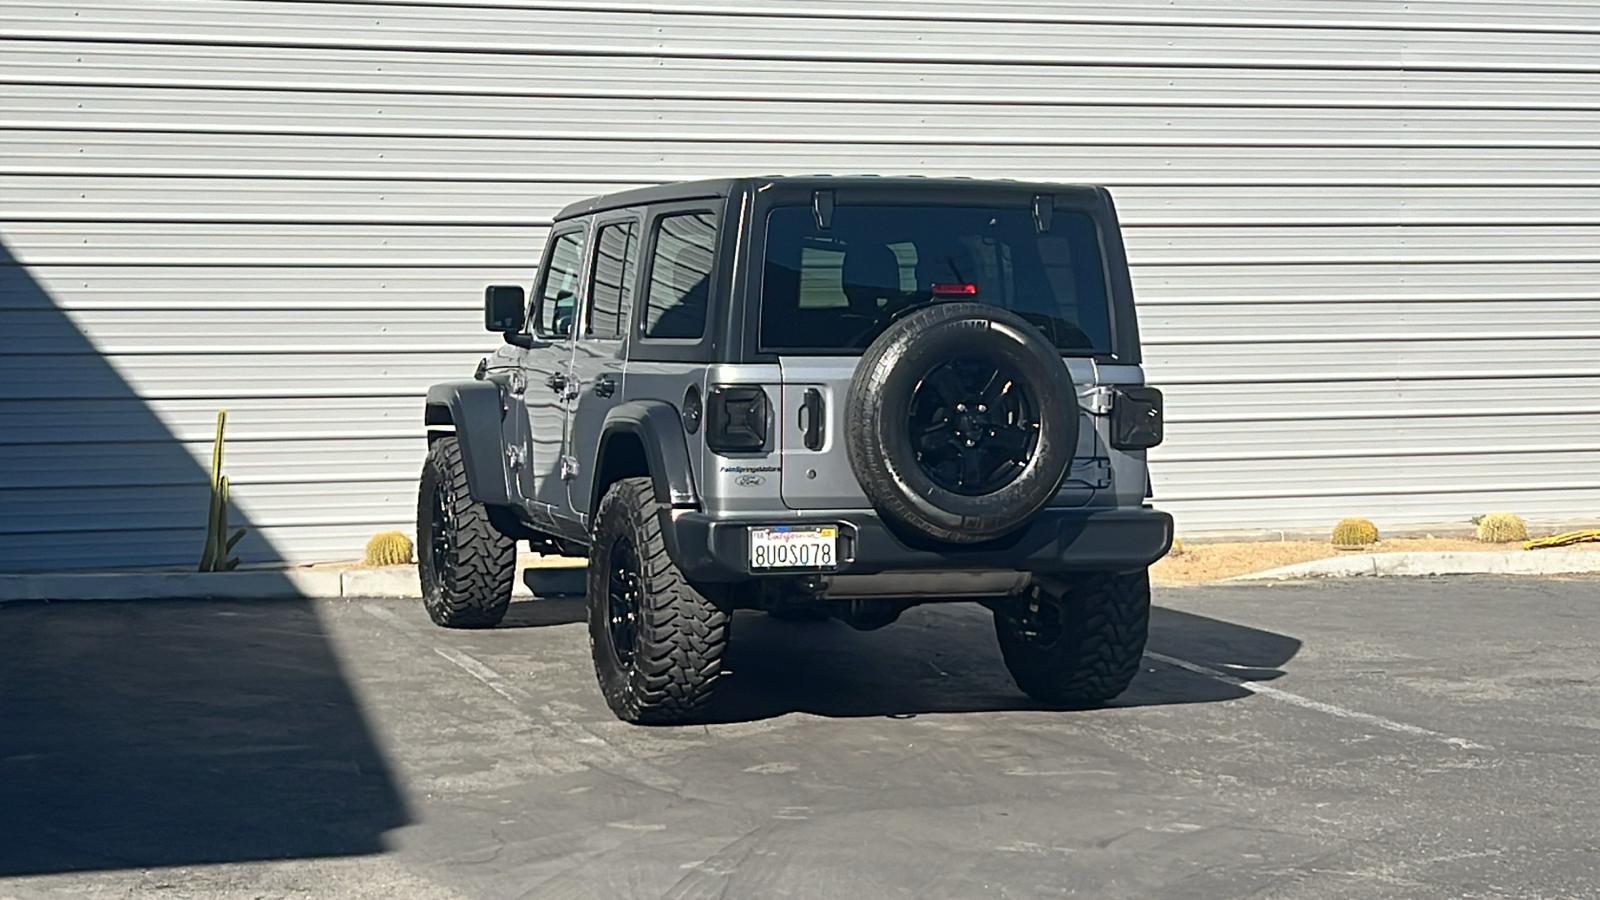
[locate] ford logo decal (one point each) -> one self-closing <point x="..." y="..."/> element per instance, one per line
<point x="749" y="480"/>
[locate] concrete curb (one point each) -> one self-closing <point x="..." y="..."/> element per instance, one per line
<point x="399" y="582"/>
<point x="1421" y="564"/>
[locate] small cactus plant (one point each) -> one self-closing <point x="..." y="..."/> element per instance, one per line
<point x="215" y="558"/>
<point x="1354" y="533"/>
<point x="1501" y="528"/>
<point x="389" y="548"/>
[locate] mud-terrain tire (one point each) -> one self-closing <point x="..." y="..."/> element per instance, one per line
<point x="657" y="642"/>
<point x="1080" y="648"/>
<point x="967" y="476"/>
<point x="465" y="563"/>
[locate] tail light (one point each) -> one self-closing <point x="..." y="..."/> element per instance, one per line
<point x="736" y="419"/>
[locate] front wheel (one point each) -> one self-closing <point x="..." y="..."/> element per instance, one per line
<point x="465" y="563"/>
<point x="1080" y="646"/>
<point x="657" y="642"/>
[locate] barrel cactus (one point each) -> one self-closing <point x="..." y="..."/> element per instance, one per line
<point x="1501" y="528"/>
<point x="1354" y="533"/>
<point x="389" y="548"/>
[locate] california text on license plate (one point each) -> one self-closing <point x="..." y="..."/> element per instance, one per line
<point x="794" y="547"/>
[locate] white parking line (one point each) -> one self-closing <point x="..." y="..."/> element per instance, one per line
<point x="1284" y="696"/>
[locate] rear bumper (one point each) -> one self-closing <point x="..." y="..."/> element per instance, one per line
<point x="1058" y="540"/>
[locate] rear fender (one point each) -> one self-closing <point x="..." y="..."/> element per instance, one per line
<point x="658" y="430"/>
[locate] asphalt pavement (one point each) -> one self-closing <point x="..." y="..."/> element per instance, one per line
<point x="1372" y="738"/>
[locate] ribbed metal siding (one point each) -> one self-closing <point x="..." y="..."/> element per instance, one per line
<point x="1364" y="233"/>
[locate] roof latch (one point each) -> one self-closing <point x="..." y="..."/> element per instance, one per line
<point x="1043" y="206"/>
<point x="822" y="208"/>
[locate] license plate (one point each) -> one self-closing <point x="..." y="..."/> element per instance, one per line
<point x="794" y="547"/>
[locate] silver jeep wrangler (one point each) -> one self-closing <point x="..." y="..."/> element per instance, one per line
<point x="816" y="397"/>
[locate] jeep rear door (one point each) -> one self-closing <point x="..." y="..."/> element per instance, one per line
<point x="596" y="377"/>
<point x="827" y="292"/>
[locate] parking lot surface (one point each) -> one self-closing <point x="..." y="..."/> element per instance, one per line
<point x="1371" y="738"/>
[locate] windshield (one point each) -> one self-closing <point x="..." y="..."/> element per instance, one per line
<point x="837" y="289"/>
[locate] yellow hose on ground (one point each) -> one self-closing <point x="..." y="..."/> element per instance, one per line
<point x="1564" y="539"/>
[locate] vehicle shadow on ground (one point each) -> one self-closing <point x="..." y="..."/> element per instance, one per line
<point x="944" y="659"/>
<point x="558" y="599"/>
<point x="161" y="733"/>
<point x="937" y="658"/>
<point x="545" y="612"/>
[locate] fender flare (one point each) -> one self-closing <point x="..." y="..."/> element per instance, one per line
<point x="476" y="409"/>
<point x="659" y="429"/>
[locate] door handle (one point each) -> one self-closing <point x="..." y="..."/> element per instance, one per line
<point x="605" y="385"/>
<point x="811" y="419"/>
<point x="556" y="382"/>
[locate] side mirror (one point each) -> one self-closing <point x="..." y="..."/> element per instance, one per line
<point x="505" y="308"/>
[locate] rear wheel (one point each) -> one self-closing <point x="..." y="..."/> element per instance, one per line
<point x="465" y="563"/>
<point x="657" y="642"/>
<point x="1079" y="647"/>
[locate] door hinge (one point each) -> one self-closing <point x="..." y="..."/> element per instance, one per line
<point x="569" y="468"/>
<point x="1094" y="472"/>
<point x="516" y="456"/>
<point x="1097" y="400"/>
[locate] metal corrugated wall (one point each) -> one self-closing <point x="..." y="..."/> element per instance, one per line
<point x="1365" y="234"/>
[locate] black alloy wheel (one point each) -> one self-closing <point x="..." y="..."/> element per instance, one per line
<point x="444" y="526"/>
<point x="974" y="425"/>
<point x="623" y="587"/>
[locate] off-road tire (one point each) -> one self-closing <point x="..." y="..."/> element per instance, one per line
<point x="469" y="584"/>
<point x="877" y="428"/>
<point x="1092" y="649"/>
<point x="667" y="674"/>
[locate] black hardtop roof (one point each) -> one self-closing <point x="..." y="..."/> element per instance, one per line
<point x="722" y="187"/>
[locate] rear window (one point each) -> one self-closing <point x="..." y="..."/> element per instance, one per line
<point x="833" y="290"/>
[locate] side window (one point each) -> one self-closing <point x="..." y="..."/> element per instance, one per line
<point x="680" y="276"/>
<point x="557" y="300"/>
<point x="611" y="291"/>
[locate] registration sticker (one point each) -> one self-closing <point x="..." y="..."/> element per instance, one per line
<point x="794" y="547"/>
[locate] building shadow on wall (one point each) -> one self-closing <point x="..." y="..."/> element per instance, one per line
<point x="151" y="733"/>
<point x="90" y="476"/>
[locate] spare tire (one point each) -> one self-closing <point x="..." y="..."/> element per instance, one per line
<point x="961" y="423"/>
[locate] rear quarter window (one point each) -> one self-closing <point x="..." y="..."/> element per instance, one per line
<point x="680" y="275"/>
